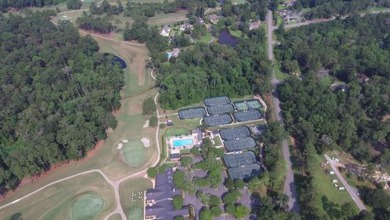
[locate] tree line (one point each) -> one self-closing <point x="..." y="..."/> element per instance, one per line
<point x="18" y="4"/>
<point x="57" y="93"/>
<point x="327" y="9"/>
<point x="98" y="24"/>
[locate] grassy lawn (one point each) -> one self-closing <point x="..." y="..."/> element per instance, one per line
<point x="175" y="131"/>
<point x="205" y="39"/>
<point x="278" y="73"/>
<point x="355" y="182"/>
<point x="235" y="33"/>
<point x="115" y="217"/>
<point x="167" y="19"/>
<point x="325" y="187"/>
<point x="217" y="141"/>
<point x="185" y="151"/>
<point x="132" y="201"/>
<point x="84" y="197"/>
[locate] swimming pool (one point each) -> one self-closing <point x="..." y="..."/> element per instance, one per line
<point x="182" y="142"/>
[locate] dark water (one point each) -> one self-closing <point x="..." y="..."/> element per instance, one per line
<point x="119" y="60"/>
<point x="226" y="38"/>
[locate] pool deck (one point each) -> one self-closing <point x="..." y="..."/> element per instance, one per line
<point x="193" y="137"/>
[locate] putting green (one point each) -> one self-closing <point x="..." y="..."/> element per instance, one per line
<point x="87" y="207"/>
<point x="135" y="214"/>
<point x="133" y="153"/>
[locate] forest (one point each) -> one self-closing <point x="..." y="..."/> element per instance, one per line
<point x="97" y="24"/>
<point x="5" y="4"/>
<point x="215" y="70"/>
<point x="56" y="96"/>
<point x="329" y="8"/>
<point x="322" y="117"/>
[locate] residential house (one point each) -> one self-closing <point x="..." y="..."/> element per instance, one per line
<point x="165" y="31"/>
<point x="254" y="25"/>
<point x="174" y="53"/>
<point x="213" y="18"/>
<point x="186" y="26"/>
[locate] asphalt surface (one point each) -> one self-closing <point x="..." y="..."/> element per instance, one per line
<point x="350" y="190"/>
<point x="289" y="184"/>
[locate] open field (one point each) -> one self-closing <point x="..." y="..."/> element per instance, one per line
<point x="67" y="200"/>
<point x="131" y="192"/>
<point x="162" y="19"/>
<point x="325" y="187"/>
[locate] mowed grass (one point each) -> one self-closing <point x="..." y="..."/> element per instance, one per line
<point x="115" y="217"/>
<point x="167" y="19"/>
<point x="132" y="200"/>
<point x="175" y="131"/>
<point x="133" y="153"/>
<point x="67" y="200"/>
<point x="325" y="187"/>
<point x="87" y="207"/>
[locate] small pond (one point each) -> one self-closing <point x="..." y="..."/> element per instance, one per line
<point x="226" y="38"/>
<point x="117" y="59"/>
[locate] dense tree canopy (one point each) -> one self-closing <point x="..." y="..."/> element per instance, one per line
<point x="97" y="24"/>
<point x="215" y="70"/>
<point x="329" y="8"/>
<point x="56" y="95"/>
<point x="351" y="119"/>
<point x="322" y="117"/>
<point x="5" y="4"/>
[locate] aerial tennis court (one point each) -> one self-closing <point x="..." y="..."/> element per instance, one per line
<point x="240" y="144"/>
<point x="250" y="115"/>
<point x="192" y="113"/>
<point x="233" y="133"/>
<point x="216" y="101"/>
<point x="237" y="160"/>
<point x="244" y="172"/>
<point x="218" y="110"/>
<point x="248" y="105"/>
<point x="218" y="120"/>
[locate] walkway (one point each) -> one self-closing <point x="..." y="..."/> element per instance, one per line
<point x="349" y="189"/>
<point x="289" y="185"/>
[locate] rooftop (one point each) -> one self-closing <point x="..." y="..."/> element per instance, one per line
<point x="159" y="200"/>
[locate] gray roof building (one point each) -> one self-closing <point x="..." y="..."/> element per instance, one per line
<point x="159" y="199"/>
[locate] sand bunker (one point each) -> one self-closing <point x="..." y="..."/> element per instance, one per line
<point x="120" y="145"/>
<point x="125" y="141"/>
<point x="146" y="142"/>
<point x="146" y="124"/>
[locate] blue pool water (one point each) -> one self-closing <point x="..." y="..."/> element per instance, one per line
<point x="182" y="142"/>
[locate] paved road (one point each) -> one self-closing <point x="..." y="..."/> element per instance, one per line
<point x="349" y="189"/>
<point x="289" y="185"/>
<point x="270" y="29"/>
